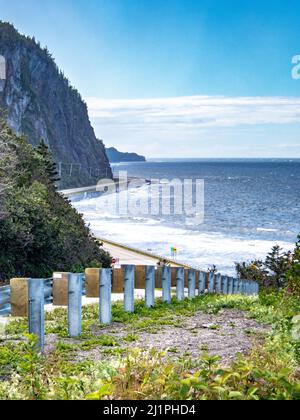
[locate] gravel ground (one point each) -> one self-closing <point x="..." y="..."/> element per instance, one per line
<point x="224" y="335"/>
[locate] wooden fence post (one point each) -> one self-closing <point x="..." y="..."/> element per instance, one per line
<point x="129" y="284"/>
<point x="219" y="284"/>
<point x="197" y="281"/>
<point x="92" y="282"/>
<point x="202" y="282"/>
<point x="180" y="284"/>
<point x="140" y="277"/>
<point x="192" y="284"/>
<point x="19" y="297"/>
<point x="166" y="284"/>
<point x="75" y="305"/>
<point x="60" y="289"/>
<point x="150" y="287"/>
<point x="211" y="283"/>
<point x="173" y="277"/>
<point x="158" y="278"/>
<point x="36" y="322"/>
<point x="118" y="280"/>
<point x="105" y="296"/>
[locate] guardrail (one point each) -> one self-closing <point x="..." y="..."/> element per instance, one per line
<point x="67" y="289"/>
<point x="5" y="296"/>
<point x="5" y="307"/>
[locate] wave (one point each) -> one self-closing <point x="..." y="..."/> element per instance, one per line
<point x="198" y="248"/>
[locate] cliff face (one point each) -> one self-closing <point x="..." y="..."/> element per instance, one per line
<point x="115" y="156"/>
<point x="41" y="104"/>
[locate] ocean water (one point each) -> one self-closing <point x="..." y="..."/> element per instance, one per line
<point x="250" y="205"/>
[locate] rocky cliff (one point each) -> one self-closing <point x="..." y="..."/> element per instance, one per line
<point x="41" y="104"/>
<point x="115" y="156"/>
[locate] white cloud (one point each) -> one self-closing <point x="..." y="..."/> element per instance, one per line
<point x="195" y="111"/>
<point x="204" y="123"/>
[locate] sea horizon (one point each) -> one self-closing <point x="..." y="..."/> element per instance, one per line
<point x="250" y="206"/>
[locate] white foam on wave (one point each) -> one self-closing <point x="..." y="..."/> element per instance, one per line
<point x="202" y="249"/>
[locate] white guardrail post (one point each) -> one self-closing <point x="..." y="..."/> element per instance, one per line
<point x="211" y="283"/>
<point x="202" y="282"/>
<point x="36" y="320"/>
<point x="150" y="287"/>
<point x="105" y="296"/>
<point x="180" y="284"/>
<point x="75" y="305"/>
<point x="192" y="284"/>
<point x="219" y="284"/>
<point x="129" y="285"/>
<point x="166" y="284"/>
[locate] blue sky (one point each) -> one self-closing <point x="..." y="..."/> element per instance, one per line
<point x="129" y="57"/>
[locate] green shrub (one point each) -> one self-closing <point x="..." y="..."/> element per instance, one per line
<point x="269" y="372"/>
<point x="40" y="232"/>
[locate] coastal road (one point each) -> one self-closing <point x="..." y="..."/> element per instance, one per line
<point x="130" y="256"/>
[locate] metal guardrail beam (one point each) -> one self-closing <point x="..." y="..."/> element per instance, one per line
<point x="216" y="284"/>
<point x="5" y="307"/>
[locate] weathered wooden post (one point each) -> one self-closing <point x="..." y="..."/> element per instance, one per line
<point x="219" y="284"/>
<point x="211" y="283"/>
<point x="118" y="280"/>
<point x="92" y="282"/>
<point x="166" y="284"/>
<point x="230" y="285"/>
<point x="60" y="289"/>
<point x="192" y="284"/>
<point x="36" y="320"/>
<point x="197" y="281"/>
<point x="105" y="296"/>
<point x="180" y="284"/>
<point x="75" y="305"/>
<point x="202" y="282"/>
<point x="19" y="297"/>
<point x="129" y="284"/>
<point x="150" y="287"/>
<point x="140" y="277"/>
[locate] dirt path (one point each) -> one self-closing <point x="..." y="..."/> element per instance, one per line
<point x="224" y="335"/>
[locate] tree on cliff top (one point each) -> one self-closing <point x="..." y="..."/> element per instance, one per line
<point x="40" y="232"/>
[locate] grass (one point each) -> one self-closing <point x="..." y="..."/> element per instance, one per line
<point x="269" y="372"/>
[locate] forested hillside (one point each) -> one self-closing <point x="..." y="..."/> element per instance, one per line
<point x="40" y="232"/>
